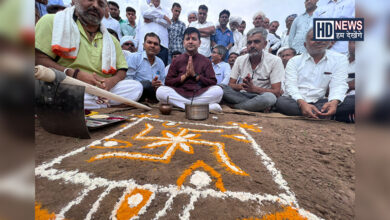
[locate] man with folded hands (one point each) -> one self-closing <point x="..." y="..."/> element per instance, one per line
<point x="255" y="80"/>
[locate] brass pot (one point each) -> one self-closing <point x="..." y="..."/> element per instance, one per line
<point x="165" y="109"/>
<point x="197" y="111"/>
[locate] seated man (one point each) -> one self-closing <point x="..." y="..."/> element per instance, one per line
<point x="351" y="68"/>
<point x="146" y="67"/>
<point x="255" y="79"/>
<point x="221" y="68"/>
<point x="191" y="76"/>
<point x="88" y="53"/>
<point x="128" y="43"/>
<point x="308" y="76"/>
<point x="232" y="59"/>
<point x="174" y="55"/>
<point x="286" y="53"/>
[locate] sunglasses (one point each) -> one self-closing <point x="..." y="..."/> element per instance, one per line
<point x="129" y="44"/>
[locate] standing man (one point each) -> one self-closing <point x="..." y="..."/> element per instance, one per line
<point x="97" y="59"/>
<point x="176" y="31"/>
<point x="146" y="67"/>
<point x="111" y="23"/>
<point x="223" y="36"/>
<point x="266" y="23"/>
<point x="191" y="76"/>
<point x="192" y="16"/>
<point x="301" y="25"/>
<point x="309" y="76"/>
<point x="255" y="80"/>
<point x="128" y="27"/>
<point x="337" y="9"/>
<point x="155" y="19"/>
<point x="206" y="29"/>
<point x="114" y="10"/>
<point x="242" y="27"/>
<point x="258" y="19"/>
<point x="234" y="24"/>
<point x="273" y="39"/>
<point x="286" y="33"/>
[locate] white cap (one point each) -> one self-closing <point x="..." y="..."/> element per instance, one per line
<point x="126" y="38"/>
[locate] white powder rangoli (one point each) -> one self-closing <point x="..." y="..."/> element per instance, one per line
<point x="205" y="180"/>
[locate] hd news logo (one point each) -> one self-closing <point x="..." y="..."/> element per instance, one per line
<point x="338" y="29"/>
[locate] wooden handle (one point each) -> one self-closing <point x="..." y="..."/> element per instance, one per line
<point x="48" y="75"/>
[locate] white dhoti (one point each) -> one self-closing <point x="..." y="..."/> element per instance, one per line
<point x="212" y="96"/>
<point x="129" y="89"/>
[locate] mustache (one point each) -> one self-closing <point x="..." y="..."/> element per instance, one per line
<point x="92" y="9"/>
<point x="253" y="50"/>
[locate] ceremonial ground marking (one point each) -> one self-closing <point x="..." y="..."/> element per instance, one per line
<point x="204" y="181"/>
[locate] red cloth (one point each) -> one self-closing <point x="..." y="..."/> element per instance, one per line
<point x="202" y="66"/>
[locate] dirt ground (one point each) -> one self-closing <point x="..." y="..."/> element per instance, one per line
<point x="315" y="158"/>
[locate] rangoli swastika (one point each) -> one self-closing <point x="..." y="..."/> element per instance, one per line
<point x="136" y="203"/>
<point x="181" y="140"/>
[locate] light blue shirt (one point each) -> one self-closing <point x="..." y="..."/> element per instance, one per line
<point x="43" y="8"/>
<point x="127" y="29"/>
<point x="222" y="73"/>
<point x="339" y="9"/>
<point x="298" y="32"/>
<point x="140" y="68"/>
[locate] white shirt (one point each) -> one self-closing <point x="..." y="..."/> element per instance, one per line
<point x="284" y="39"/>
<point x="222" y="72"/>
<point x="237" y="36"/>
<point x="112" y="24"/>
<point x="159" y="25"/>
<point x="309" y="81"/>
<point x="298" y="31"/>
<point x="339" y="9"/>
<point x="205" y="43"/>
<point x="273" y="40"/>
<point x="269" y="71"/>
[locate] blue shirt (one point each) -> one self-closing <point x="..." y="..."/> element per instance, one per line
<point x="140" y="68"/>
<point x="223" y="38"/>
<point x="43" y="8"/>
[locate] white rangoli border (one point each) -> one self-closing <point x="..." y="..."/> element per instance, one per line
<point x="45" y="170"/>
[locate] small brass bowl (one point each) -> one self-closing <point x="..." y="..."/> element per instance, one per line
<point x="165" y="109"/>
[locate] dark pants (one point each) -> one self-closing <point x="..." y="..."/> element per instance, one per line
<point x="149" y="92"/>
<point x="248" y="101"/>
<point x="289" y="106"/>
<point x="163" y="55"/>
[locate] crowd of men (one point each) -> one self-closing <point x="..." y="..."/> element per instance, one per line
<point x="160" y="58"/>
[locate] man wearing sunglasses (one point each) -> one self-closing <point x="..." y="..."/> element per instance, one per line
<point x="128" y="43"/>
<point x="255" y="80"/>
